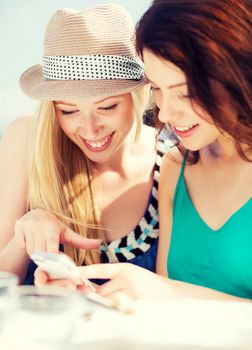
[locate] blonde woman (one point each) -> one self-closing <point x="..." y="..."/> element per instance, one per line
<point x="83" y="170"/>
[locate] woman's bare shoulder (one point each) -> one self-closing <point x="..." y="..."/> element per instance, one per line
<point x="15" y="138"/>
<point x="21" y="124"/>
<point x="17" y="131"/>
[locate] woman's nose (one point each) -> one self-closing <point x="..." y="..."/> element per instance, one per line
<point x="168" y="112"/>
<point x="91" y="126"/>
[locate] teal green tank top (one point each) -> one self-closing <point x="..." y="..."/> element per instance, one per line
<point x="218" y="259"/>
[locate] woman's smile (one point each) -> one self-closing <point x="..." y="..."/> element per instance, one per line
<point x="98" y="145"/>
<point x="185" y="131"/>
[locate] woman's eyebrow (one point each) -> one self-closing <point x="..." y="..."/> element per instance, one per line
<point x="171" y="86"/>
<point x="107" y="98"/>
<point x="64" y="103"/>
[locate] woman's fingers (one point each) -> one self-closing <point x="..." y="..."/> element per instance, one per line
<point x="29" y="242"/>
<point x="40" y="277"/>
<point x="62" y="283"/>
<point x="70" y="237"/>
<point x="111" y="287"/>
<point x="122" y="301"/>
<point x="102" y="271"/>
<point x="39" y="239"/>
<point x="19" y="235"/>
<point x="39" y="230"/>
<point x="52" y="241"/>
<point x="84" y="288"/>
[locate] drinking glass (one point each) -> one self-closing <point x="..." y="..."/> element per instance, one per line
<point x="45" y="318"/>
<point x="8" y="282"/>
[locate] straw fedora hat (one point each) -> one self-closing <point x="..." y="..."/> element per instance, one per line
<point x="86" y="53"/>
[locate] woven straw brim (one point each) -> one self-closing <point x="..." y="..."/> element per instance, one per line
<point x="35" y="86"/>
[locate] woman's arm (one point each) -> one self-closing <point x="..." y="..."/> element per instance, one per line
<point x="13" y="194"/>
<point x="169" y="173"/>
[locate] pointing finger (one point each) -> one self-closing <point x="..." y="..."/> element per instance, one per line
<point x="72" y="238"/>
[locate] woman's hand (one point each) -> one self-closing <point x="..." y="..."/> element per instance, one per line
<point x="41" y="278"/>
<point x="40" y="230"/>
<point x="136" y="282"/>
<point x="125" y="278"/>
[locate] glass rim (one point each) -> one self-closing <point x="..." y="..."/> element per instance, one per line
<point x="7" y="274"/>
<point x="45" y="298"/>
<point x="32" y="290"/>
<point x="8" y="277"/>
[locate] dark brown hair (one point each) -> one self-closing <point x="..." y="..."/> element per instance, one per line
<point x="211" y="42"/>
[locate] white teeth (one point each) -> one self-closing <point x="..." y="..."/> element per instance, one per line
<point x="184" y="128"/>
<point x="98" y="144"/>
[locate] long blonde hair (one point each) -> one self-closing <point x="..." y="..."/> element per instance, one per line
<point x="61" y="179"/>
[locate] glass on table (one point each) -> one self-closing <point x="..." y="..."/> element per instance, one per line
<point x="8" y="282"/>
<point x="45" y="318"/>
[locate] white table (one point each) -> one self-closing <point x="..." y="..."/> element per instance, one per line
<point x="174" y="324"/>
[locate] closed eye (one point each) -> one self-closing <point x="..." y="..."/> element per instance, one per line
<point x="187" y="96"/>
<point x="108" y="108"/>
<point x="68" y="112"/>
<point x="153" y="88"/>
